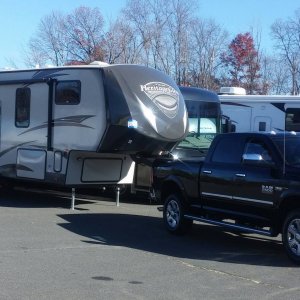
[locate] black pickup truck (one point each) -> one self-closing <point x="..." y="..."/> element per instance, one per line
<point x="248" y="182"/>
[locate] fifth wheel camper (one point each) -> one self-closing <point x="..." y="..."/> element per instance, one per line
<point x="83" y="125"/>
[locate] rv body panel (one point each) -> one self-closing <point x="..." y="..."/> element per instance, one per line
<point x="261" y="112"/>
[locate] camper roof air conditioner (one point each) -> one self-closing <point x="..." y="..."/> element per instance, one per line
<point x="232" y="91"/>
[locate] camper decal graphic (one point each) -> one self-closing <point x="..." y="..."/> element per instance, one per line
<point x="165" y="97"/>
<point x="65" y="121"/>
<point x="14" y="147"/>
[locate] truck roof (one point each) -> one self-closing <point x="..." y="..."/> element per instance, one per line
<point x="272" y="134"/>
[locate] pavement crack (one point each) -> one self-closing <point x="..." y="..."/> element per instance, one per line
<point x="223" y="273"/>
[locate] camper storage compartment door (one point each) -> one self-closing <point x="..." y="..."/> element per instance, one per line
<point x="31" y="163"/>
<point x="101" y="169"/>
<point x="92" y="168"/>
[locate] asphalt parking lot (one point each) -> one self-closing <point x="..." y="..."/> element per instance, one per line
<point x="101" y="251"/>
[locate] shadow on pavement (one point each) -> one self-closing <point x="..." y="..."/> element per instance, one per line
<point x="204" y="242"/>
<point x="29" y="199"/>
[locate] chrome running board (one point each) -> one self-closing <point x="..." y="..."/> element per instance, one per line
<point x="230" y="225"/>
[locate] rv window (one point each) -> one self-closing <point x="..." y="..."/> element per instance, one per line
<point x="292" y="119"/>
<point x="67" y="92"/>
<point x="262" y="126"/>
<point x="22" y="113"/>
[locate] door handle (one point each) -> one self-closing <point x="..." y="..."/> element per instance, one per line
<point x="206" y="171"/>
<point x="240" y="175"/>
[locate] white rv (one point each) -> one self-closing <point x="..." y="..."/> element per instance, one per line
<point x="260" y="112"/>
<point x="83" y="125"/>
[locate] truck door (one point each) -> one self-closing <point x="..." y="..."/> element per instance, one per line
<point x="254" y="186"/>
<point x="218" y="173"/>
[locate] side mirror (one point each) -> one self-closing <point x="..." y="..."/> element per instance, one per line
<point x="227" y="125"/>
<point x="256" y="159"/>
<point x="252" y="157"/>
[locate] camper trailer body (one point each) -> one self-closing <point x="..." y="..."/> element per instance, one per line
<point x="83" y="125"/>
<point x="262" y="112"/>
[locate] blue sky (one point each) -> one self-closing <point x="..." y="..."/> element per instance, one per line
<point x="19" y="19"/>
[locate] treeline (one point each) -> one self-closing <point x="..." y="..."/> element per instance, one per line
<point x="169" y="35"/>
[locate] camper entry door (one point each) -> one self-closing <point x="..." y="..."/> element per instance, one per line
<point x="31" y="122"/>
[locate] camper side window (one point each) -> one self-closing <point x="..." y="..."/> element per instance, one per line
<point x="22" y="114"/>
<point x="67" y="92"/>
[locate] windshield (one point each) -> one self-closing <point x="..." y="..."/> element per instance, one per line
<point x="204" y="124"/>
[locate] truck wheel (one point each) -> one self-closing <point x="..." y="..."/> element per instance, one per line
<point x="173" y="215"/>
<point x="291" y="235"/>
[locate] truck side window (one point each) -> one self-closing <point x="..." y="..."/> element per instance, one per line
<point x="227" y="151"/>
<point x="22" y="112"/>
<point x="67" y="92"/>
<point x="259" y="148"/>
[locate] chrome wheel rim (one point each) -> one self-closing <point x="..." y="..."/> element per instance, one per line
<point x="173" y="214"/>
<point x="293" y="236"/>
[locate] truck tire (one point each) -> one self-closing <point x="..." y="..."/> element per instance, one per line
<point x="173" y="215"/>
<point x="291" y="235"/>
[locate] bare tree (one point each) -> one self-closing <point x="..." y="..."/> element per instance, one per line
<point x="275" y="76"/>
<point x="286" y="36"/>
<point x="159" y="35"/>
<point x="167" y="36"/>
<point x="117" y="39"/>
<point x="164" y="34"/>
<point x="139" y="14"/>
<point x="84" y="31"/>
<point x="208" y="41"/>
<point x="75" y="38"/>
<point x="49" y="44"/>
<point x="179" y="31"/>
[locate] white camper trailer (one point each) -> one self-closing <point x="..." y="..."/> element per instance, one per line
<point x="260" y="112"/>
<point x="83" y="125"/>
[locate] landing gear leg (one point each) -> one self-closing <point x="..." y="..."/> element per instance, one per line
<point x="118" y="196"/>
<point x="73" y="199"/>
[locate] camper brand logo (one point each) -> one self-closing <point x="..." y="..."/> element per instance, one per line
<point x="165" y="97"/>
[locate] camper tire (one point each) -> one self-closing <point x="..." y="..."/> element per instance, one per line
<point x="173" y="215"/>
<point x="291" y="235"/>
